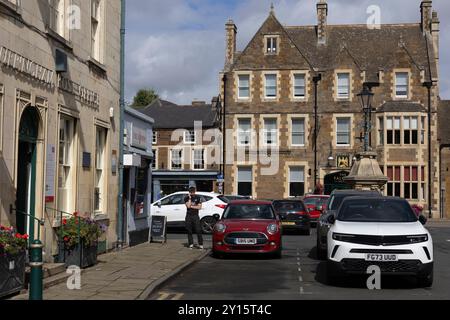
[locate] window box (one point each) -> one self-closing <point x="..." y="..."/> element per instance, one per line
<point x="80" y="255"/>
<point x="12" y="272"/>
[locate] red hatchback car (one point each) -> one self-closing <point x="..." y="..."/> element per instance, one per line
<point x="316" y="203"/>
<point x="248" y="227"/>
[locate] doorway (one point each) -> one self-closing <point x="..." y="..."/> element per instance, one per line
<point x="26" y="171"/>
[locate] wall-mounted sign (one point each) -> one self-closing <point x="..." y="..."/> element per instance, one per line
<point x="26" y="66"/>
<point x="82" y="93"/>
<point x="139" y="138"/>
<point x="86" y="160"/>
<point x="343" y="161"/>
<point x="50" y="174"/>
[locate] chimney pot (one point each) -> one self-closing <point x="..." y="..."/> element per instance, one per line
<point x="322" y="14"/>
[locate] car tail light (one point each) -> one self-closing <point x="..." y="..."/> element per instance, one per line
<point x="221" y="206"/>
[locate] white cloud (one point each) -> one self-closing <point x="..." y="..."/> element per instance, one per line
<point x="178" y="46"/>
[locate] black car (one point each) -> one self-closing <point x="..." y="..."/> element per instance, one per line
<point x="335" y="200"/>
<point x="293" y="215"/>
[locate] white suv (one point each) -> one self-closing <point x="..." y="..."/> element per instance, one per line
<point x="174" y="208"/>
<point x="381" y="231"/>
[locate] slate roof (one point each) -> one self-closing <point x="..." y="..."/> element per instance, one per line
<point x="168" y="115"/>
<point x="371" y="50"/>
<point x="444" y="122"/>
<point x="401" y="106"/>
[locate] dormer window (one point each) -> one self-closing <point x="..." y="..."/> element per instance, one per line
<point x="271" y="45"/>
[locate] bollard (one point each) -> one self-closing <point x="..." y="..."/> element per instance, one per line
<point x="36" y="263"/>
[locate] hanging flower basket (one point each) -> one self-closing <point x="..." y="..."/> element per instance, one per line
<point x="12" y="261"/>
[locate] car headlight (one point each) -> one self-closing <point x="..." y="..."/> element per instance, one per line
<point x="342" y="237"/>
<point x="272" y="228"/>
<point x="418" y="238"/>
<point x="220" y="227"/>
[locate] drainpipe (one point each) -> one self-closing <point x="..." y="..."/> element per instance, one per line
<point x="224" y="129"/>
<point x="316" y="80"/>
<point x="121" y="134"/>
<point x="429" y="85"/>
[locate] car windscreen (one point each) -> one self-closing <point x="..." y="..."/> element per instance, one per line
<point x="249" y="211"/>
<point x="336" y="201"/>
<point x="376" y="210"/>
<point x="288" y="206"/>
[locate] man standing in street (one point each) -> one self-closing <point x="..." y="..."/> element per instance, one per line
<point x="193" y="205"/>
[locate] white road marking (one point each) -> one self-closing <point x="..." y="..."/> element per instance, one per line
<point x="300" y="279"/>
<point x="299" y="269"/>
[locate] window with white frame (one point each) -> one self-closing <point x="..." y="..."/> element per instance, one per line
<point x="270" y="86"/>
<point x="299" y="86"/>
<point x="244" y="86"/>
<point x="343" y="85"/>
<point x="410" y="130"/>
<point x="244" y="134"/>
<point x="381" y="130"/>
<point x="176" y="159"/>
<point x="96" y="29"/>
<point x="343" y="131"/>
<point x="58" y="17"/>
<point x="393" y="130"/>
<point x="66" y="163"/>
<point x="155" y="159"/>
<point x="189" y="136"/>
<point x="401" y="85"/>
<point x="296" y="181"/>
<point x="100" y="170"/>
<point x="270" y="132"/>
<point x="271" y="45"/>
<point x="394" y="181"/>
<point x="244" y="181"/>
<point x="199" y="159"/>
<point x="298" y="132"/>
<point x="154" y="137"/>
<point x="13" y="3"/>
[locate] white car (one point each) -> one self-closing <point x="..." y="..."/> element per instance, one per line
<point x="381" y="231"/>
<point x="174" y="208"/>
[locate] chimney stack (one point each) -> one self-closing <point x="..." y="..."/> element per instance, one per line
<point x="435" y="36"/>
<point x="231" y="31"/>
<point x="425" y="11"/>
<point x="322" y="14"/>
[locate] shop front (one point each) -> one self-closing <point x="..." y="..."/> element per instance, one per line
<point x="138" y="158"/>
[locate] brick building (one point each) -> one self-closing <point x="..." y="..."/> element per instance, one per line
<point x="444" y="156"/>
<point x="186" y="146"/>
<point x="269" y="96"/>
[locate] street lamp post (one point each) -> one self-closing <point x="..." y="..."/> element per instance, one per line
<point x="365" y="98"/>
<point x="316" y="80"/>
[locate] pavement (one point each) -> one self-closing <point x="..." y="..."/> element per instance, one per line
<point x="299" y="275"/>
<point x="130" y="274"/>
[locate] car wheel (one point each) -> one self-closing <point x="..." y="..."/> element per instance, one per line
<point x="278" y="254"/>
<point x="321" y="254"/>
<point x="425" y="281"/>
<point x="208" y="224"/>
<point x="217" y="255"/>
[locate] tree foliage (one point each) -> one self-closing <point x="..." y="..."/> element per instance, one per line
<point x="144" y="97"/>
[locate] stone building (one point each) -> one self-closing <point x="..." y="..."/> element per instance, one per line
<point x="59" y="113"/>
<point x="269" y="94"/>
<point x="186" y="146"/>
<point x="444" y="156"/>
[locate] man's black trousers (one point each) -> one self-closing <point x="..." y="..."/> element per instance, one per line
<point x="193" y="225"/>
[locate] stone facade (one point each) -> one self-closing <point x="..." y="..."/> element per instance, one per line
<point x="396" y="52"/>
<point x="75" y="111"/>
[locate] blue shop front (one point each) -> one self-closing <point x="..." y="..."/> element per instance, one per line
<point x="137" y="179"/>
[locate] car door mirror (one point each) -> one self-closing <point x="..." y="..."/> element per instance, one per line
<point x="158" y="204"/>
<point x="422" y="219"/>
<point x="331" y="219"/>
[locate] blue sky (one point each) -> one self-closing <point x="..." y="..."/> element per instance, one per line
<point x="177" y="46"/>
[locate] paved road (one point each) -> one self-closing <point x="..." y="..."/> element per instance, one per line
<point x="298" y="275"/>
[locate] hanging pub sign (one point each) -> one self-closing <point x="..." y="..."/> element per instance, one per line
<point x="343" y="161"/>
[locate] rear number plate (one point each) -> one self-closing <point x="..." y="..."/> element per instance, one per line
<point x="288" y="223"/>
<point x="245" y="241"/>
<point x="381" y="257"/>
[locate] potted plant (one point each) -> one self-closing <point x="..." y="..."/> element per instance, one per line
<point x="78" y="241"/>
<point x="12" y="260"/>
